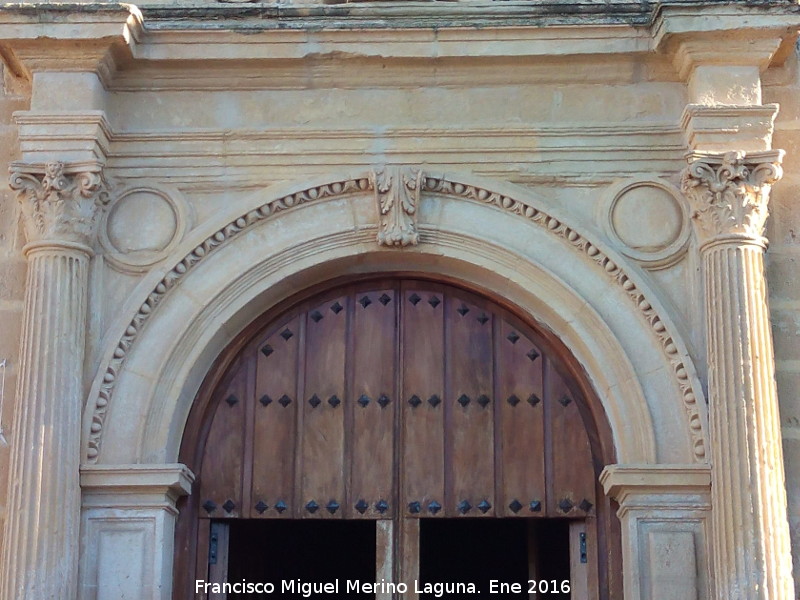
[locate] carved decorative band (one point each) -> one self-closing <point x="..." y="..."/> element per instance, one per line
<point x="729" y="194"/>
<point x="60" y="203"/>
<point x="414" y="182"/>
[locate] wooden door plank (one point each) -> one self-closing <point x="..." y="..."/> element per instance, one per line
<point x="385" y="555"/>
<point x="519" y="430"/>
<point x="275" y="423"/>
<point x="470" y="409"/>
<point x="221" y="473"/>
<point x="323" y="411"/>
<point x="218" y="564"/>
<point x="570" y="456"/>
<point x="407" y="561"/>
<point x="371" y="404"/>
<point x="422" y="409"/>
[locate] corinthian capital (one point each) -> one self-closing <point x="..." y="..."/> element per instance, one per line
<point x="397" y="195"/>
<point x="59" y="202"/>
<point x="729" y="193"/>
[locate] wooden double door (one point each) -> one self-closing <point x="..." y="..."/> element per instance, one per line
<point x="398" y="401"/>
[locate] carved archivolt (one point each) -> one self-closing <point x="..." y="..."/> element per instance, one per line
<point x="729" y="192"/>
<point x="59" y="203"/>
<point x="430" y="184"/>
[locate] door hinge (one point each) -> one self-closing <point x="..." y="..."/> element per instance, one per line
<point x="582" y="538"/>
<point x="213" y="544"/>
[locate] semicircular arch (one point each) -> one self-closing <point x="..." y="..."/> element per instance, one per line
<point x="495" y="238"/>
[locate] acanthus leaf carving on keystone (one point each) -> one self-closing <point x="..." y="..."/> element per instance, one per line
<point x="397" y="191"/>
<point x="59" y="202"/>
<point x="729" y="193"/>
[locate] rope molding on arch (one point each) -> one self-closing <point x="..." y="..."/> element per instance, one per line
<point x="358" y="185"/>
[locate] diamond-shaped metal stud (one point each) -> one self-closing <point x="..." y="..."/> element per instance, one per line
<point x="434" y="507"/>
<point x="265" y="400"/>
<point x="484" y="506"/>
<point x="312" y="507"/>
<point x="533" y="355"/>
<point x="533" y="399"/>
<point x="362" y="506"/>
<point x="286" y="334"/>
<point x="229" y="505"/>
<point x="414" y="401"/>
<point x="464" y="507"/>
<point x="384" y="299"/>
<point x="284" y="401"/>
<point x="483" y="400"/>
<point x="462" y="310"/>
<point x="280" y="506"/>
<point x="384" y="400"/>
<point x="314" y="401"/>
<point x="535" y="506"/>
<point x="336" y="308"/>
<point x="565" y="505"/>
<point x="434" y="401"/>
<point x="267" y="350"/>
<point x="414" y="508"/>
<point x="585" y="505"/>
<point x="513" y="337"/>
<point x="209" y="506"/>
<point x="515" y="506"/>
<point x="463" y="400"/>
<point x="365" y="301"/>
<point x="564" y="400"/>
<point x="381" y="506"/>
<point x="513" y="400"/>
<point x="414" y="299"/>
<point x="316" y="316"/>
<point x="261" y="507"/>
<point x="334" y="401"/>
<point x="332" y="506"/>
<point x="363" y="400"/>
<point x="483" y="318"/>
<point x="231" y="400"/>
<point x="434" y="301"/>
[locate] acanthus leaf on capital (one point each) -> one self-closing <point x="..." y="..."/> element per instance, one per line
<point x="729" y="193"/>
<point x="397" y="191"/>
<point x="59" y="202"/>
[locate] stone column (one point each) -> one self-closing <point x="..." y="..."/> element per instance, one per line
<point x="728" y="194"/>
<point x="59" y="205"/>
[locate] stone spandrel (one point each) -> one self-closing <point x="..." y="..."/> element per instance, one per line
<point x="59" y="203"/>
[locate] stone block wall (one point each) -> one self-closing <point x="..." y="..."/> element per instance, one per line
<point x="12" y="272"/>
<point x="782" y="86"/>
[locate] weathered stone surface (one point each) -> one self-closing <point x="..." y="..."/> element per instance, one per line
<point x="246" y="147"/>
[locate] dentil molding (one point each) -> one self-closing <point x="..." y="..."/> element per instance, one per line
<point x="60" y="202"/>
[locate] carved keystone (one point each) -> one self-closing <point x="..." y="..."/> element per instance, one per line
<point x="397" y="192"/>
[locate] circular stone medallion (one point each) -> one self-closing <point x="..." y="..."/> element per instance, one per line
<point x="142" y="226"/>
<point x="647" y="221"/>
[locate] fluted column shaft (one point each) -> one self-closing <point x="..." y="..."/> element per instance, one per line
<point x="44" y="505"/>
<point x="40" y="558"/>
<point x="752" y="555"/>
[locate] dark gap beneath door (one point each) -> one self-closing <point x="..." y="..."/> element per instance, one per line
<point x="507" y="550"/>
<point x="314" y="551"/>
